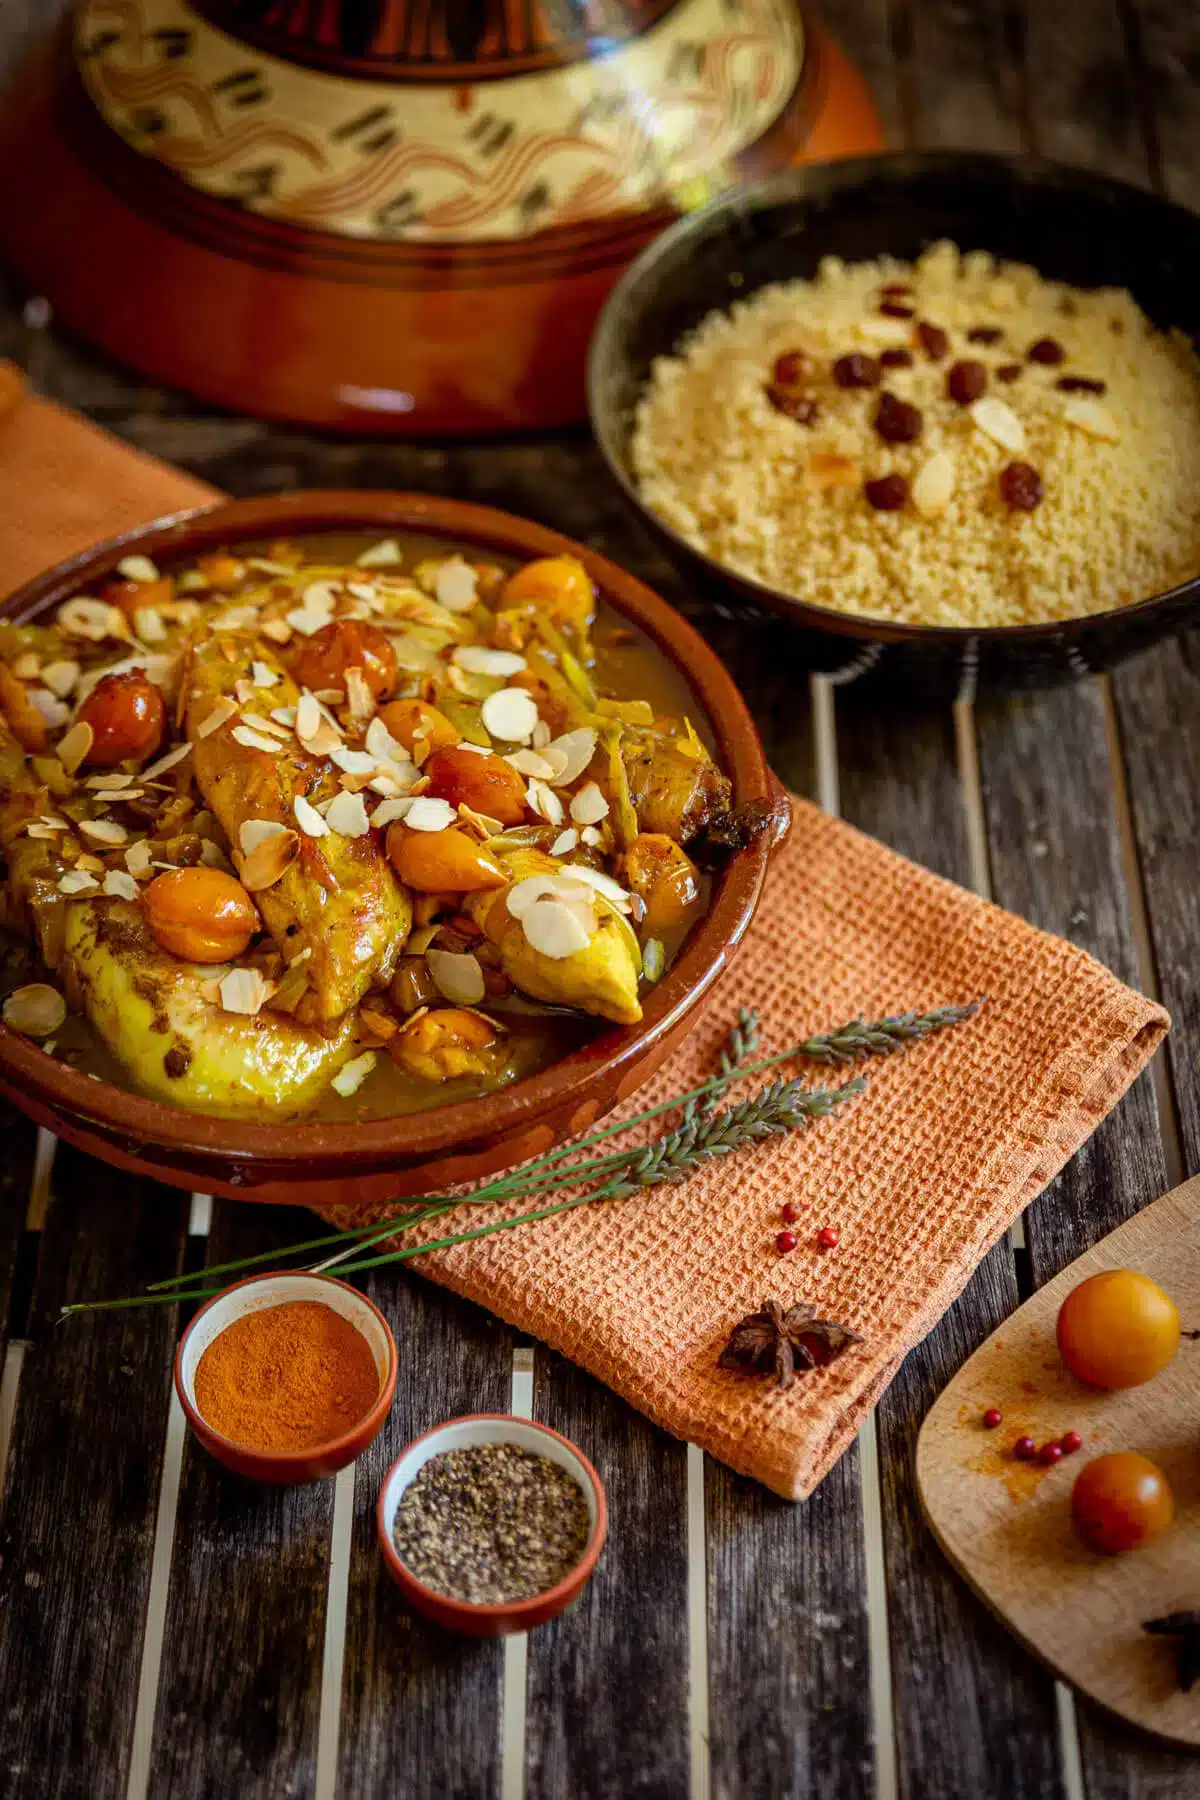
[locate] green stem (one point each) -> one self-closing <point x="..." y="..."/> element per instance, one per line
<point x="266" y="1256"/>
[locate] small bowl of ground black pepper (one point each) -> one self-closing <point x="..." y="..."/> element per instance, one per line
<point x="491" y="1524"/>
<point x="286" y="1377"/>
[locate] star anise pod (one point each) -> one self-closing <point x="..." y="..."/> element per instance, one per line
<point x="1186" y="1627"/>
<point x="782" y="1342"/>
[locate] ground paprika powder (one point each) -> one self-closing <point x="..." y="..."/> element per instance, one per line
<point x="286" y="1378"/>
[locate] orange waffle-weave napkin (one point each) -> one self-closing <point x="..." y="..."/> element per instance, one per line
<point x="921" y="1174"/>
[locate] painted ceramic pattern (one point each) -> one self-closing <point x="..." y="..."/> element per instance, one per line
<point x="657" y="117"/>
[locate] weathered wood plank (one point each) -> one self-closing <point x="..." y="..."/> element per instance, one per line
<point x="82" y="1487"/>
<point x="420" y="1707"/>
<point x="1164" y="42"/>
<point x="974" y="1712"/>
<point x="1083" y="102"/>
<point x="18" y="1139"/>
<point x="607" y="1683"/>
<point x="240" y="1683"/>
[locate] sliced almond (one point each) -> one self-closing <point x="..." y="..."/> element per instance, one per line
<point x="480" y="659"/>
<point x="76" y="881"/>
<point x="149" y="626"/>
<point x="137" y="568"/>
<point x="354" y="762"/>
<point x="244" y="991"/>
<point x="999" y="422"/>
<point x="545" y="802"/>
<point x="119" y="886"/>
<point x="1090" y="417"/>
<point x="272" y="727"/>
<point x="92" y="619"/>
<point x="29" y="666"/>
<point x="348" y="815"/>
<point x="428" y="814"/>
<point x="262" y="675"/>
<point x="457" y="977"/>
<point x="308" y="818"/>
<point x="604" y="885"/>
<point x="74" y="746"/>
<point x="60" y="677"/>
<point x="309" y="717"/>
<point x="359" y="698"/>
<point x="886" y="331"/>
<point x="104" y="831"/>
<point x="137" y="859"/>
<point x="236" y="618"/>
<point x="589" y="806"/>
<point x="528" y="762"/>
<point x="85" y="860"/>
<point x="278" y="630"/>
<point x="523" y="894"/>
<point x="269" y="859"/>
<point x="388" y="811"/>
<point x="35" y="1011"/>
<point x="55" y="712"/>
<point x="383" y="555"/>
<point x="284" y="715"/>
<point x="564" y="842"/>
<point x="541" y="735"/>
<point x="591" y="837"/>
<point x="554" y="929"/>
<point x="351" y="1075"/>
<point x="456" y="585"/>
<point x="480" y="822"/>
<point x="253" y="832"/>
<point x="223" y="710"/>
<point x="578" y="747"/>
<point x="255" y="740"/>
<point x="933" y="485"/>
<point x="166" y="762"/>
<point x="381" y="743"/>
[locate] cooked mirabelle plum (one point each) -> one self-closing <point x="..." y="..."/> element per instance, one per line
<point x="128" y="718"/>
<point x="449" y="1042"/>
<point x="1120" y="1502"/>
<point x="487" y="784"/>
<point x="344" y="644"/>
<point x="407" y="720"/>
<point x="442" y="862"/>
<point x="559" y="585"/>
<point x="202" y="915"/>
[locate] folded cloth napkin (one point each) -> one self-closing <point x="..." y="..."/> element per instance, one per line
<point x="920" y="1174"/>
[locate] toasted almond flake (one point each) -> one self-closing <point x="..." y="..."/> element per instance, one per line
<point x="428" y="814"/>
<point x="522" y="894"/>
<point x="554" y="929"/>
<point x="74" y="746"/>
<point x="306" y="623"/>
<point x="166" y="762"/>
<point x="308" y="818"/>
<point x="213" y="857"/>
<point x="359" y="697"/>
<point x="268" y="859"/>
<point x="383" y="555"/>
<point x="262" y="675"/>
<point x="351" y="1075"/>
<point x="284" y="715"/>
<point x="999" y="422"/>
<point x="149" y="626"/>
<point x="107" y="784"/>
<point x="267" y="567"/>
<point x="119" y="886"/>
<point x="92" y="619"/>
<point x="389" y="810"/>
<point x="510" y="714"/>
<point x="541" y="735"/>
<point x="236" y="618"/>
<point x="934" y="484"/>
<point x="457" y="977"/>
<point x="76" y="881"/>
<point x="354" y="762"/>
<point x="528" y="762"/>
<point x="480" y="659"/>
<point x="255" y="740"/>
<point x="362" y="590"/>
<point x="564" y="842"/>
<point x="481" y="822"/>
<point x="223" y="710"/>
<point x="381" y="743"/>
<point x="385" y="783"/>
<point x="55" y="712"/>
<point x="545" y="802"/>
<point x="348" y="815"/>
<point x="413" y="653"/>
<point x="308" y="717"/>
<point x="579" y="747"/>
<point x="604" y="884"/>
<point x="137" y="859"/>
<point x="1090" y="417"/>
<point x="886" y="331"/>
<point x="192" y="582"/>
<point x="60" y="676"/>
<point x="40" y="830"/>
<point x="104" y="831"/>
<point x="35" y="1011"/>
<point x="321" y="595"/>
<point x="253" y="832"/>
<point x="243" y="691"/>
<point x="244" y="991"/>
<point x="329" y="697"/>
<point x="257" y="722"/>
<point x="29" y="666"/>
<point x="589" y="805"/>
<point x="137" y="568"/>
<point x="278" y="630"/>
<point x="324" y="741"/>
<point x="456" y="585"/>
<point x="118" y="796"/>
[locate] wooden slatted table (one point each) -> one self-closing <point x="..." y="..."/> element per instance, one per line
<point x="165" y="1632"/>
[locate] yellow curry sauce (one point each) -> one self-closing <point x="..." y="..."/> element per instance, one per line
<point x="340" y="828"/>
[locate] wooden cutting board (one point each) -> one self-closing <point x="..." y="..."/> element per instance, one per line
<point x="1006" y="1525"/>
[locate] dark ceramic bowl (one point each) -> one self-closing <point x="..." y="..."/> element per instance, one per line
<point x="344" y="1164"/>
<point x="287" y="1468"/>
<point x="1071" y="225"/>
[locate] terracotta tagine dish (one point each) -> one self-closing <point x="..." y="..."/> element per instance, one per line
<point x="380" y="217"/>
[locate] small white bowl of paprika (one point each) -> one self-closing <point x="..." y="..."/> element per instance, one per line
<point x="286" y="1377"/>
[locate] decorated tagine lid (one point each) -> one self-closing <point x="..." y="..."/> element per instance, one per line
<point x="390" y="215"/>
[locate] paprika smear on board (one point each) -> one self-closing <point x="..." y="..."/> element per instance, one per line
<point x="287" y="1378"/>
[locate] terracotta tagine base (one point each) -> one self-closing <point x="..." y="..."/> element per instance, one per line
<point x="400" y="226"/>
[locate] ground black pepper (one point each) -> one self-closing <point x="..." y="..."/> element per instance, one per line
<point x="491" y="1524"/>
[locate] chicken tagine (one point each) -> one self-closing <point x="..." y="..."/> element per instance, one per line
<point x="342" y="831"/>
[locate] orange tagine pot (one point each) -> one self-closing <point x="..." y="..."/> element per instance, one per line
<point x="381" y="216"/>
